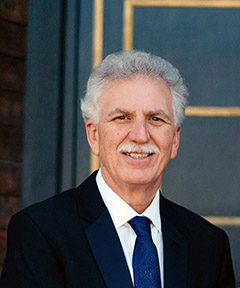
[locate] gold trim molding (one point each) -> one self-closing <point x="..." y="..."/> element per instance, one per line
<point x="201" y="111"/>
<point x="97" y="32"/>
<point x="185" y="3"/>
<point x="97" y="51"/>
<point x="129" y="5"/>
<point x="224" y="221"/>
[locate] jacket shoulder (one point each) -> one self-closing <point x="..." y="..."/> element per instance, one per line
<point x="63" y="206"/>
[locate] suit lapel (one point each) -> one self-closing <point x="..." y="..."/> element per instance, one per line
<point x="175" y="250"/>
<point x="108" y="252"/>
<point x="102" y="236"/>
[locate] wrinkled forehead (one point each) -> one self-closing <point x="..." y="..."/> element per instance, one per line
<point x="142" y="94"/>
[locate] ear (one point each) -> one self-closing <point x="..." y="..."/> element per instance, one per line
<point x="92" y="137"/>
<point x="176" y="142"/>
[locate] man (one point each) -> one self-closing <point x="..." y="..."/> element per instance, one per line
<point x="116" y="230"/>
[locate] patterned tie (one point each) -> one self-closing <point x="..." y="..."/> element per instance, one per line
<point x="145" y="259"/>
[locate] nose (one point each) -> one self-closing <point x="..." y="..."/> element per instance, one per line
<point x="139" y="132"/>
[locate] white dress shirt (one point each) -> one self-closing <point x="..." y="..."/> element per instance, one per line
<point x="121" y="213"/>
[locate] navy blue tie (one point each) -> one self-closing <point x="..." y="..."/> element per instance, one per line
<point x="145" y="258"/>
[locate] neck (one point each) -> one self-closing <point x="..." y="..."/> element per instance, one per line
<point x="139" y="200"/>
<point x="138" y="196"/>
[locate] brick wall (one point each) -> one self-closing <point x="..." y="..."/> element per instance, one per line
<point x="13" y="18"/>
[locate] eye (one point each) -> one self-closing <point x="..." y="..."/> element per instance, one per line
<point x="155" y="118"/>
<point x="121" y="117"/>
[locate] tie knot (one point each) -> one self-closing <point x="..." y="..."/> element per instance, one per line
<point x="141" y="225"/>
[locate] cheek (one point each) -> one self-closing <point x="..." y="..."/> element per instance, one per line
<point x="114" y="134"/>
<point x="108" y="139"/>
<point x="164" y="139"/>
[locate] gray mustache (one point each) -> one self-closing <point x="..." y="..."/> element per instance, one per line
<point x="147" y="148"/>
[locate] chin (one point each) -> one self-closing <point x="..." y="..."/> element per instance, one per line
<point x="139" y="178"/>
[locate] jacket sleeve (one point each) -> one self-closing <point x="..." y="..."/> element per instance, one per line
<point x="30" y="260"/>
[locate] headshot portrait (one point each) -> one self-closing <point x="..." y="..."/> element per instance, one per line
<point x="119" y="159"/>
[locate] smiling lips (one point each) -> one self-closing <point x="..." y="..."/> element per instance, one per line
<point x="137" y="155"/>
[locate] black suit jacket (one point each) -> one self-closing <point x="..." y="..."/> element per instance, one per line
<point x="70" y="241"/>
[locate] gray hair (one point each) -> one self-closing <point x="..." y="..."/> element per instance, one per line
<point x="128" y="64"/>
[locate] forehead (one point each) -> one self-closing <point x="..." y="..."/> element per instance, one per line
<point x="136" y="92"/>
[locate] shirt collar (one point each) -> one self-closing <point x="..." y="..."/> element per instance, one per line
<point x="120" y="211"/>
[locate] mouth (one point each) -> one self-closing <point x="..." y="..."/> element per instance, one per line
<point x="136" y="155"/>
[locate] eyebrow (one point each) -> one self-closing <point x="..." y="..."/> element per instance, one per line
<point x="119" y="111"/>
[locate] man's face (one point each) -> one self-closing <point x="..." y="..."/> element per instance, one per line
<point x="135" y="137"/>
